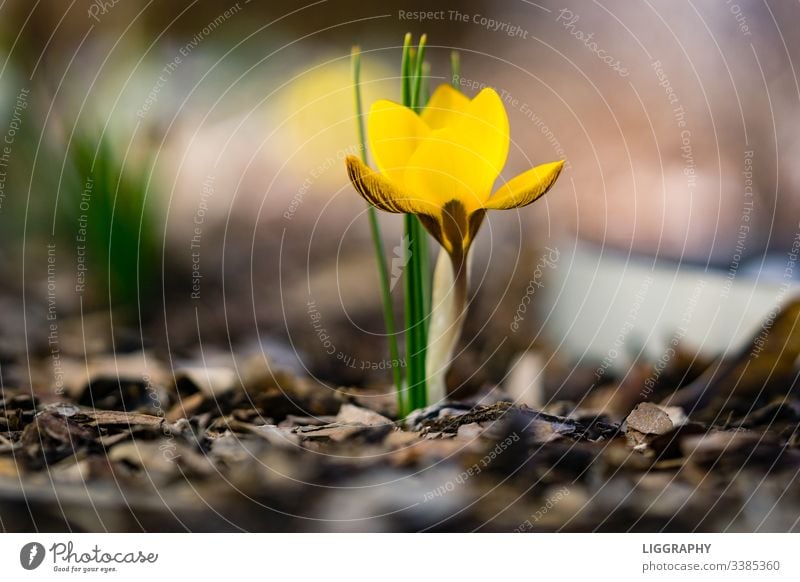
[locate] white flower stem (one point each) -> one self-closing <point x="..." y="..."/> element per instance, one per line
<point x="448" y="308"/>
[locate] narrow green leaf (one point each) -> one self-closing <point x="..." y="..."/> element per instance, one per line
<point x="417" y="80"/>
<point x="377" y="242"/>
<point x="426" y="89"/>
<point x="405" y="70"/>
<point x="455" y="68"/>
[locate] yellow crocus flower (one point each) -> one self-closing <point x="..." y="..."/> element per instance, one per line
<point x="441" y="165"/>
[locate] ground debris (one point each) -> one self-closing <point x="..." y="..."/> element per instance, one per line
<point x="593" y="430"/>
<point x="247" y="445"/>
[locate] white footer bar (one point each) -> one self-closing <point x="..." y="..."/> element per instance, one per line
<point x="410" y="557"/>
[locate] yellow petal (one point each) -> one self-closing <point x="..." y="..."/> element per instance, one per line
<point x="394" y="134"/>
<point x="485" y="129"/>
<point x="383" y="193"/>
<point x="445" y="107"/>
<point x="525" y="188"/>
<point x="480" y="124"/>
<point x="444" y="168"/>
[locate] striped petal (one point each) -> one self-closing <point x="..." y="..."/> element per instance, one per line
<point x="526" y="187"/>
<point x="383" y="193"/>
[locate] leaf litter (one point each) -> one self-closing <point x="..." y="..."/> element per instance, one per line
<point x="131" y="447"/>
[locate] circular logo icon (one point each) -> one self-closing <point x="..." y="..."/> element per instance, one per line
<point x="31" y="555"/>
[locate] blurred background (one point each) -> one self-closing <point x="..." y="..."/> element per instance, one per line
<point x="172" y="177"/>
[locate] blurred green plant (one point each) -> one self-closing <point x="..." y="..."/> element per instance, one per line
<point x="103" y="211"/>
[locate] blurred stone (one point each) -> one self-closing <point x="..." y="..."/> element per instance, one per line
<point x="350" y="414"/>
<point x="525" y="383"/>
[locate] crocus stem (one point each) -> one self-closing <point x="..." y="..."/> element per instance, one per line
<point x="425" y="89"/>
<point x="377" y="243"/>
<point x="405" y="71"/>
<point x="417" y="267"/>
<point x="419" y="99"/>
<point x="449" y="306"/>
<point x="455" y="68"/>
<point x="415" y="316"/>
<point x="416" y="92"/>
<point x="419" y="248"/>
